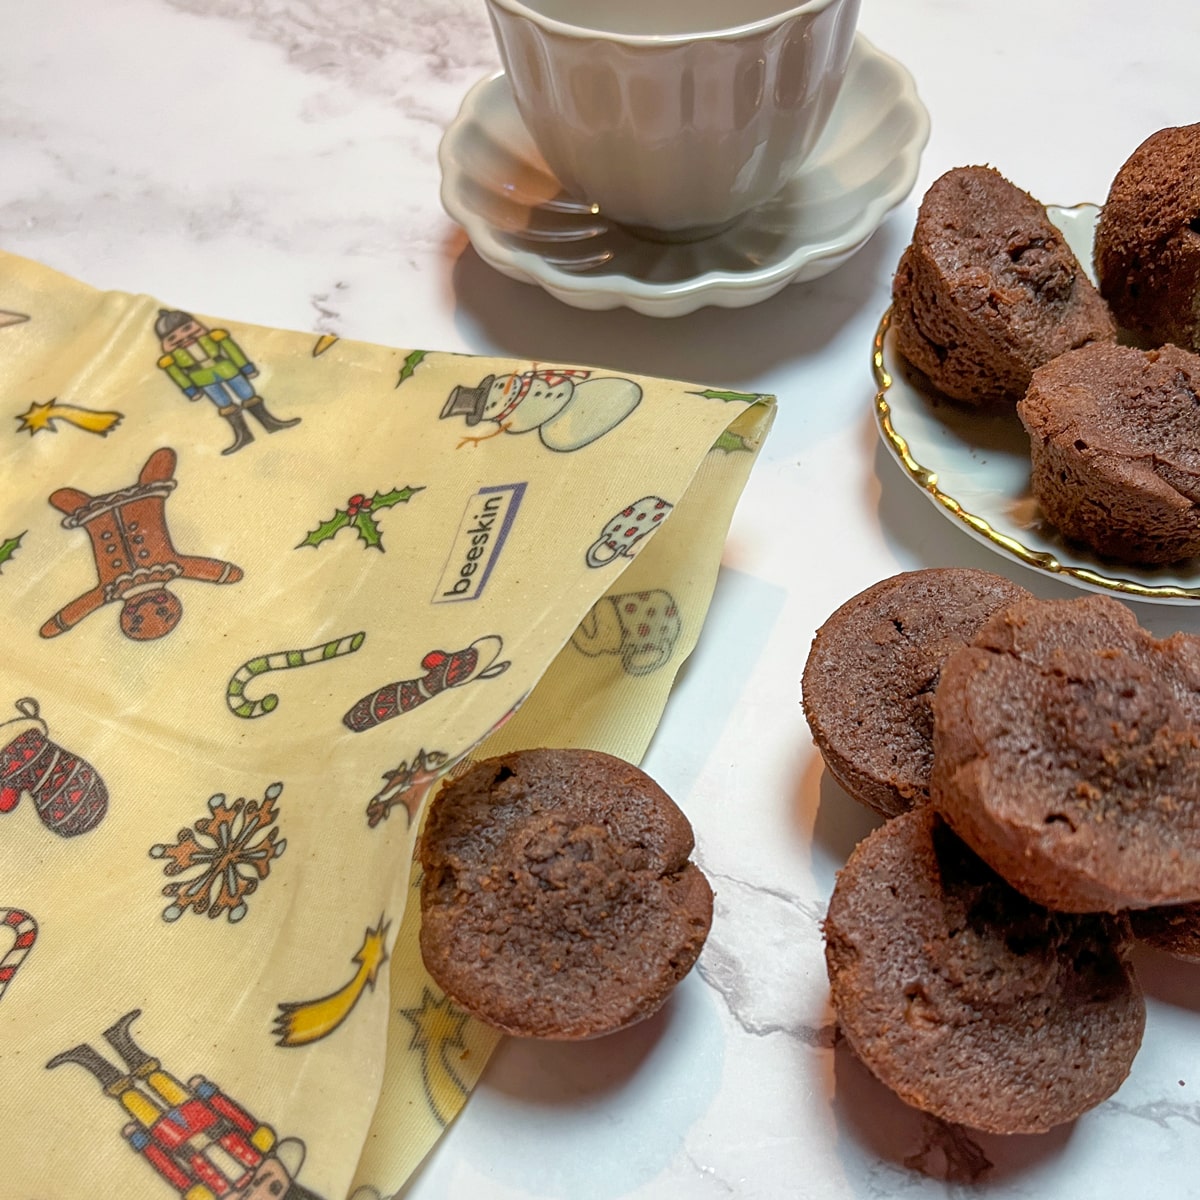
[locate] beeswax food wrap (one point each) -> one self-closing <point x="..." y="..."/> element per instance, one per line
<point x="260" y="591"/>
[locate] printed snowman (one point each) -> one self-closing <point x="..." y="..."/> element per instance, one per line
<point x="569" y="408"/>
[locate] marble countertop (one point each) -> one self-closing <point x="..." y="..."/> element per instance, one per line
<point x="275" y="161"/>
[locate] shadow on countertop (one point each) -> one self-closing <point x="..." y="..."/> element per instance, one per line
<point x="724" y="346"/>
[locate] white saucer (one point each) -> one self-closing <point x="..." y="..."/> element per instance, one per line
<point x="497" y="186"/>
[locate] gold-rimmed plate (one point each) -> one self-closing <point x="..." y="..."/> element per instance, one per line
<point x="975" y="467"/>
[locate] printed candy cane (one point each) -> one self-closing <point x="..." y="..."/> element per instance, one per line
<point x="443" y="669"/>
<point x="25" y="927"/>
<point x="235" y="693"/>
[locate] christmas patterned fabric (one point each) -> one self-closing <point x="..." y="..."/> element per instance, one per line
<point x="261" y="592"/>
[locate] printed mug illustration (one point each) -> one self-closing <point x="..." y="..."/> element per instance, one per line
<point x="641" y="627"/>
<point x="135" y="560"/>
<point x="70" y="797"/>
<point x="199" y="1140"/>
<point x="442" y="671"/>
<point x="626" y="529"/>
<point x="284" y="660"/>
<point x="300" y="1023"/>
<point x="437" y="1037"/>
<point x="569" y="408"/>
<point x="9" y="547"/>
<point x="43" y="416"/>
<point x="229" y="852"/>
<point x="207" y="361"/>
<point x="24" y="929"/>
<point x="360" y="515"/>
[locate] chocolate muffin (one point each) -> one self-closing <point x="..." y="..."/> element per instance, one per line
<point x="558" y="900"/>
<point x="1175" y="930"/>
<point x="1066" y="753"/>
<point x="1114" y="440"/>
<point x="869" y="679"/>
<point x="1147" y="249"/>
<point x="968" y="1000"/>
<point x="989" y="290"/>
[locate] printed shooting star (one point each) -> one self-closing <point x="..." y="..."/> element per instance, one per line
<point x="43" y="416"/>
<point x="300" y="1023"/>
<point x="438" y="1038"/>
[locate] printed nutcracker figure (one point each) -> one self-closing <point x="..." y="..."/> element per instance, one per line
<point x="202" y="360"/>
<point x="204" y="1144"/>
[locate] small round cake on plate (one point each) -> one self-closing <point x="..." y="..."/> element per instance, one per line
<point x="1114" y="440"/>
<point x="1147" y="250"/>
<point x="988" y="290"/>
<point x="558" y="900"/>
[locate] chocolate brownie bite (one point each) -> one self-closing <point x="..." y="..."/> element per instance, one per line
<point x="1114" y="441"/>
<point x="1066" y="753"/>
<point x="1174" y="930"/>
<point x="988" y="290"/>
<point x="1147" y="248"/>
<point x="870" y="675"/>
<point x="558" y="900"/>
<point x="965" y="998"/>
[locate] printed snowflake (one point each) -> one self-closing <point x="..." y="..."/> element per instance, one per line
<point x="229" y="852"/>
<point x="407" y="785"/>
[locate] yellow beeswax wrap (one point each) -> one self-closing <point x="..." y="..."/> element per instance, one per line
<point x="260" y="591"/>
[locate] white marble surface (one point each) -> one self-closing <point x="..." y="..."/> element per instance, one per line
<point x="275" y="161"/>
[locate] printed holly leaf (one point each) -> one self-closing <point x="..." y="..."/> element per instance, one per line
<point x="8" y="548"/>
<point x="395" y="496"/>
<point x="359" y="514"/>
<point x="718" y="394"/>
<point x="368" y="531"/>
<point x="327" y="529"/>
<point x="731" y="442"/>
<point x="410" y="364"/>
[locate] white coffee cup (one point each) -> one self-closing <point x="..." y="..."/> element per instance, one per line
<point x="662" y="114"/>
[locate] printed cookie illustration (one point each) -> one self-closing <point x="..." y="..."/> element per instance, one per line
<point x="69" y="796"/>
<point x="442" y="670"/>
<point x="569" y="408"/>
<point x="228" y="852"/>
<point x="299" y="1023"/>
<point x="201" y="1142"/>
<point x="642" y="627"/>
<point x="24" y="929"/>
<point x="626" y="529"/>
<point x="38" y="417"/>
<point x="208" y="361"/>
<point x="135" y="559"/>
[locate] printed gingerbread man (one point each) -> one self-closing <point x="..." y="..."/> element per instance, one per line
<point x="135" y="559"/>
